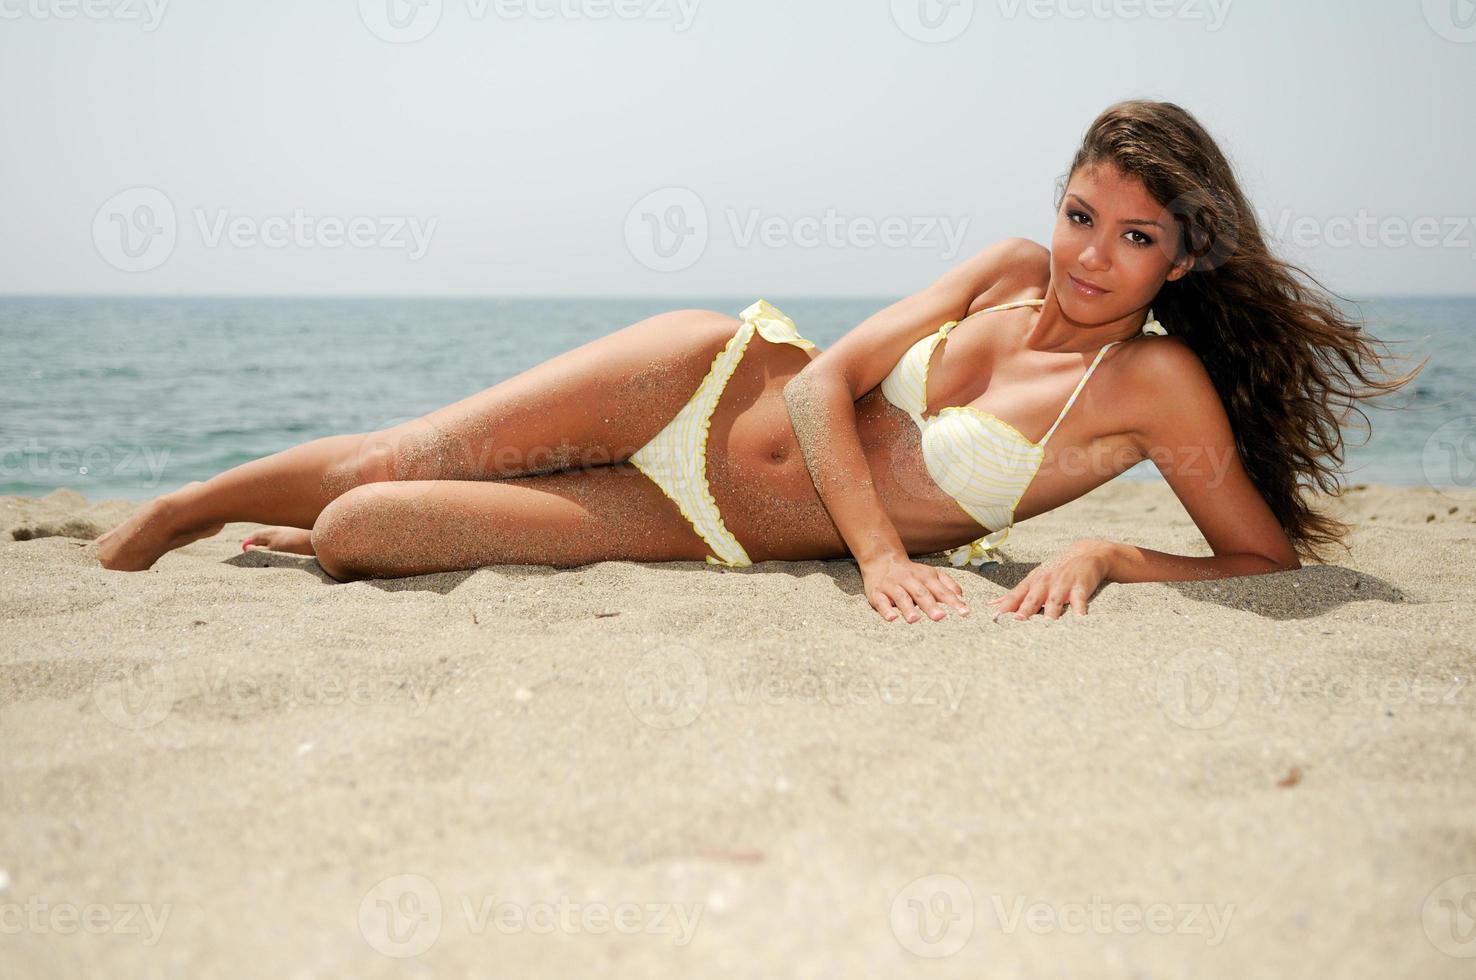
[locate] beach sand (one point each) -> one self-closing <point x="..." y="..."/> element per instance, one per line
<point x="232" y="766"/>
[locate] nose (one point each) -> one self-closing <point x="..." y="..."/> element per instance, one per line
<point x="1094" y="259"/>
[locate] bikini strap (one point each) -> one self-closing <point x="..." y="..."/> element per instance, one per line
<point x="1079" y="385"/>
<point x="1004" y="306"/>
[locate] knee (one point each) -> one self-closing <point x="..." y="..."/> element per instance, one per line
<point x="342" y="536"/>
<point x="719" y="327"/>
<point x="415" y="450"/>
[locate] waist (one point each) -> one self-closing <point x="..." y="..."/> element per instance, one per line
<point x="926" y="517"/>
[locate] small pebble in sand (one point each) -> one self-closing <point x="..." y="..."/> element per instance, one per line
<point x="523" y="694"/>
<point x="304" y="748"/>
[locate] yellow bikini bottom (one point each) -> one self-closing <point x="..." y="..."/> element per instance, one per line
<point x="676" y="459"/>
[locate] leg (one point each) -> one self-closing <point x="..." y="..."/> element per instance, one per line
<point x="564" y="519"/>
<point x="590" y="406"/>
<point x="290" y="487"/>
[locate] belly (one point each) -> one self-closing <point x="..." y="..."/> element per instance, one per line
<point x="926" y="518"/>
<point x="758" y="477"/>
<point x="755" y="469"/>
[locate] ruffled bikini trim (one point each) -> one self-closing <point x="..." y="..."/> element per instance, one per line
<point x="776" y="328"/>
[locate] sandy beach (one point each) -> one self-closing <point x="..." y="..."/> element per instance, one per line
<point x="232" y="766"/>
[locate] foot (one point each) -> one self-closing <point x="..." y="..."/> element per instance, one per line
<point x="292" y="539"/>
<point x="154" y="530"/>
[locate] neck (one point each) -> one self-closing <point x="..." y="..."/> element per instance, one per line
<point x="1052" y="330"/>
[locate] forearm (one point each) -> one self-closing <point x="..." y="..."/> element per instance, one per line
<point x="1128" y="563"/>
<point x="824" y="420"/>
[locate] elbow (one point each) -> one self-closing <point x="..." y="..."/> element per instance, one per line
<point x="802" y="386"/>
<point x="1287" y="563"/>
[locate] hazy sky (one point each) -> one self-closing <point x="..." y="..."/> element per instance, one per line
<point x="693" y="147"/>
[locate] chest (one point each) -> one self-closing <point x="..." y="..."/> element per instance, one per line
<point x="973" y="369"/>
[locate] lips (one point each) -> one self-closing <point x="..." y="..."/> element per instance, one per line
<point x="1086" y="287"/>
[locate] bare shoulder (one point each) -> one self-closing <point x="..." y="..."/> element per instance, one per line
<point x="1157" y="372"/>
<point x="1011" y="267"/>
<point x="1011" y="252"/>
<point x="1166" y="362"/>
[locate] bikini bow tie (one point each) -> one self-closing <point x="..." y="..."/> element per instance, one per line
<point x="1152" y="326"/>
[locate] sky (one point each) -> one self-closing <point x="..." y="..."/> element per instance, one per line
<point x="694" y="147"/>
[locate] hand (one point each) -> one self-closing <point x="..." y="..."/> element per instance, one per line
<point x="899" y="583"/>
<point x="1068" y="578"/>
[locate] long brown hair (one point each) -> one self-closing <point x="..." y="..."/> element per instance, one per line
<point x="1289" y="365"/>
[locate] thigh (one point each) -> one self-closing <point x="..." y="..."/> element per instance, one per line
<point x="565" y="519"/>
<point x="593" y="405"/>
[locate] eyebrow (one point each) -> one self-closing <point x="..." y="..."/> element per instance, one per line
<point x="1126" y="221"/>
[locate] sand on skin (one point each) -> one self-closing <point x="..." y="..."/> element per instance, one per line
<point x="763" y="777"/>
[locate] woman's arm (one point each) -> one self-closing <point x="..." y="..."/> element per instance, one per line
<point x="1194" y="448"/>
<point x="824" y="418"/>
<point x="1130" y="563"/>
<point x="822" y="407"/>
<point x="823" y="414"/>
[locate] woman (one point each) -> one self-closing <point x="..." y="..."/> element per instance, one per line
<point x="688" y="437"/>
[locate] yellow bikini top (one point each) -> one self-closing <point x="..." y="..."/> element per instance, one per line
<point x="978" y="459"/>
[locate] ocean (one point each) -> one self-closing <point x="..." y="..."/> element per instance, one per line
<point x="132" y="397"/>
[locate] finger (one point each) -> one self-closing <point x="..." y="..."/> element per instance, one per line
<point x="957" y="597"/>
<point x="923" y="596"/>
<point x="905" y="604"/>
<point x="883" y="604"/>
<point x="1053" y="604"/>
<point x="1033" y="598"/>
<point x="1012" y="598"/>
<point x="1079" y="600"/>
<point x="1018" y="592"/>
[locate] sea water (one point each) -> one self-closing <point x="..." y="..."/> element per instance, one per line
<point x="130" y="398"/>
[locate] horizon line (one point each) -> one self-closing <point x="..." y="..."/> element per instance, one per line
<point x="482" y="297"/>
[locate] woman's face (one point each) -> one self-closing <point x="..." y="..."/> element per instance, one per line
<point x="1112" y="247"/>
